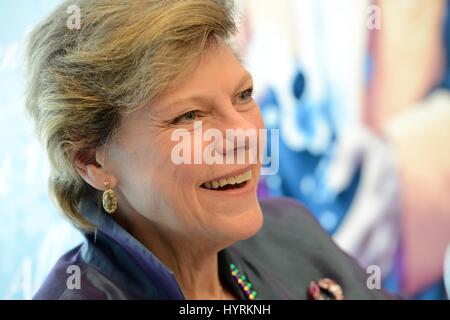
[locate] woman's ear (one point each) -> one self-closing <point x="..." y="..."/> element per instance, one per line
<point x="90" y="166"/>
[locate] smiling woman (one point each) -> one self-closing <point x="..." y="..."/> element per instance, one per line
<point x="106" y="100"/>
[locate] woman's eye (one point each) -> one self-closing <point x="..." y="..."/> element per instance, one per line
<point x="246" y="95"/>
<point x="186" y="117"/>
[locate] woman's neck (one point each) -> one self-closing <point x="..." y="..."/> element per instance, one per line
<point x="193" y="262"/>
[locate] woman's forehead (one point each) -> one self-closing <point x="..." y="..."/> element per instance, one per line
<point x="216" y="68"/>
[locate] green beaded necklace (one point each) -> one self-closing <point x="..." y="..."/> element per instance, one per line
<point x="243" y="282"/>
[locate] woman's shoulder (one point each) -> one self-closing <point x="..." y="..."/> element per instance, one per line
<point x="289" y="226"/>
<point x="287" y="220"/>
<point x="64" y="278"/>
<point x="294" y="250"/>
<point x="287" y="211"/>
<point x="74" y="277"/>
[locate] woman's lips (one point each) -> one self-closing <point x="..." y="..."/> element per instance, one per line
<point x="244" y="188"/>
<point x="237" y="180"/>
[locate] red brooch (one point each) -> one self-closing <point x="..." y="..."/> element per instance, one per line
<point x="325" y="289"/>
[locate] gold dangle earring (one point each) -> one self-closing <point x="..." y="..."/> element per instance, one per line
<point x="109" y="199"/>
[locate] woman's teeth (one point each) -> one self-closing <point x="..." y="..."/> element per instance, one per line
<point x="215" y="184"/>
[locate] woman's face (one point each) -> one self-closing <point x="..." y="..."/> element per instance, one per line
<point x="180" y="198"/>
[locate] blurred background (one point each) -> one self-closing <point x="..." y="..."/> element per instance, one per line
<point x="360" y="92"/>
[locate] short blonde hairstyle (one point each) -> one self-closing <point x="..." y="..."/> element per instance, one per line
<point x="126" y="53"/>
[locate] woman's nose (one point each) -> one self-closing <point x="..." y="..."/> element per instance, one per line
<point x="240" y="135"/>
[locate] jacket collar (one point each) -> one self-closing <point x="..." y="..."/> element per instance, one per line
<point x="158" y="274"/>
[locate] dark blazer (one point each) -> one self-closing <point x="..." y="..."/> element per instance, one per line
<point x="281" y="260"/>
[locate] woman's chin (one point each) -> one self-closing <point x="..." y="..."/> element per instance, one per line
<point x="246" y="225"/>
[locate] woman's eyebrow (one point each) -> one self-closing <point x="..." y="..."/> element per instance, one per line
<point x="204" y="99"/>
<point x="247" y="77"/>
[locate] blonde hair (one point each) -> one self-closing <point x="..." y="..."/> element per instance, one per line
<point x="126" y="53"/>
